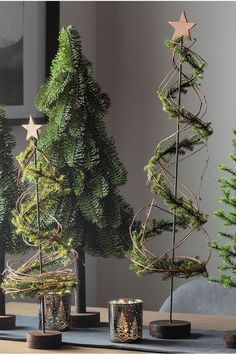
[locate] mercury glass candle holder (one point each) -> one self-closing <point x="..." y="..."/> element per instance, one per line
<point x="126" y="320"/>
<point x="57" y="311"/>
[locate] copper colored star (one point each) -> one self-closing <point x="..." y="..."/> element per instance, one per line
<point x="32" y="128"/>
<point x="183" y="27"/>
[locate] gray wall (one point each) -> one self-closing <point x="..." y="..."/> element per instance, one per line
<point x="126" y="42"/>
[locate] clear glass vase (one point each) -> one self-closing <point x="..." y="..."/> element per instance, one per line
<point x="57" y="312"/>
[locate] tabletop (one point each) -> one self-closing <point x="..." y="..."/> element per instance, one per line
<point x="197" y="321"/>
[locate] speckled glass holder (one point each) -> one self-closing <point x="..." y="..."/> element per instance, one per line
<point x="57" y="312"/>
<point x="126" y="320"/>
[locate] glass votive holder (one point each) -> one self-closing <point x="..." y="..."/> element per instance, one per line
<point x="57" y="311"/>
<point x="126" y="320"/>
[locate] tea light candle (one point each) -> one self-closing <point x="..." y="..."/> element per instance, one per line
<point x="126" y="320"/>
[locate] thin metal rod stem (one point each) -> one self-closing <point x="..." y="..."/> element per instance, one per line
<point x="175" y="191"/>
<point x="42" y="304"/>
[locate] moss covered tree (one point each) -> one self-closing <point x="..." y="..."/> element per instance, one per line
<point x="41" y="188"/>
<point x="75" y="139"/>
<point x="46" y="271"/>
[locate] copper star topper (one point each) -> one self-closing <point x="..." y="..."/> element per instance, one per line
<point x="32" y="128"/>
<point x="183" y="27"/>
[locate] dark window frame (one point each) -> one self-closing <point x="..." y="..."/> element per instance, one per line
<point x="52" y="31"/>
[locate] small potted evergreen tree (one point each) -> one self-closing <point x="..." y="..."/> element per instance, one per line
<point x="75" y="139"/>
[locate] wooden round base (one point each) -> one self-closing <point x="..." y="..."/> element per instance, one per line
<point x="7" y="322"/>
<point x="47" y="340"/>
<point x="230" y="339"/>
<point x="163" y="329"/>
<point x="84" y="320"/>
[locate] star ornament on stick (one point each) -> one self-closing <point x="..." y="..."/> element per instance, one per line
<point x="183" y="27"/>
<point x="32" y="128"/>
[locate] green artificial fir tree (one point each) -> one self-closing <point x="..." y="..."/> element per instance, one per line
<point x="75" y="139"/>
<point x="226" y="250"/>
<point x="44" y="273"/>
<point x="8" y="195"/>
<point x="179" y="203"/>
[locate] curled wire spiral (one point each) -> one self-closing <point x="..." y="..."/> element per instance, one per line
<point x="193" y="134"/>
<point x="53" y="274"/>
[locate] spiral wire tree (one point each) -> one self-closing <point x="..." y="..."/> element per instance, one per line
<point x="47" y="270"/>
<point x="183" y="206"/>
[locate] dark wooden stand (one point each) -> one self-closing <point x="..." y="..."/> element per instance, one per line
<point x="81" y="318"/>
<point x="85" y="320"/>
<point x="6" y="321"/>
<point x="230" y="339"/>
<point x="164" y="329"/>
<point x="47" y="340"/>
